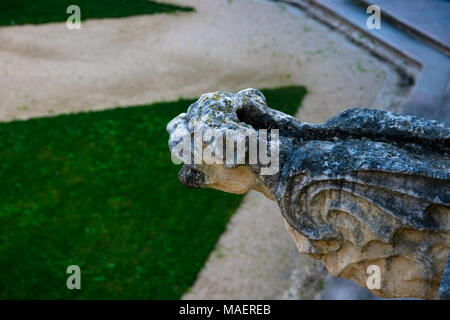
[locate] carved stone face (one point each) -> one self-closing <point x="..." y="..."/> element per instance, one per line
<point x="216" y="112"/>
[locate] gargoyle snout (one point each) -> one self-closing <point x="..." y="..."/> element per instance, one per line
<point x="191" y="177"/>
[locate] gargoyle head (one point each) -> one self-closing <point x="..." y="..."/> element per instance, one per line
<point x="219" y="148"/>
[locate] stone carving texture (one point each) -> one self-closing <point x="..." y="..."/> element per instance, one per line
<point x="366" y="187"/>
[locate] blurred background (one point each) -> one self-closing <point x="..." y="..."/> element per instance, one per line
<point x="85" y="174"/>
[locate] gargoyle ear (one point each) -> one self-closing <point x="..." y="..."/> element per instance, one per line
<point x="250" y="95"/>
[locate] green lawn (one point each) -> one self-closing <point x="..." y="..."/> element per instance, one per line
<point x="99" y="190"/>
<point x="44" y="11"/>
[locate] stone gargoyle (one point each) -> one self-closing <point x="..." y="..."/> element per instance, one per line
<point x="366" y="188"/>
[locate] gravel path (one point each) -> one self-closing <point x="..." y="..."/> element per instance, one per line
<point x="49" y="69"/>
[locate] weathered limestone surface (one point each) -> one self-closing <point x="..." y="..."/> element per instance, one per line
<point x="444" y="289"/>
<point x="367" y="187"/>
